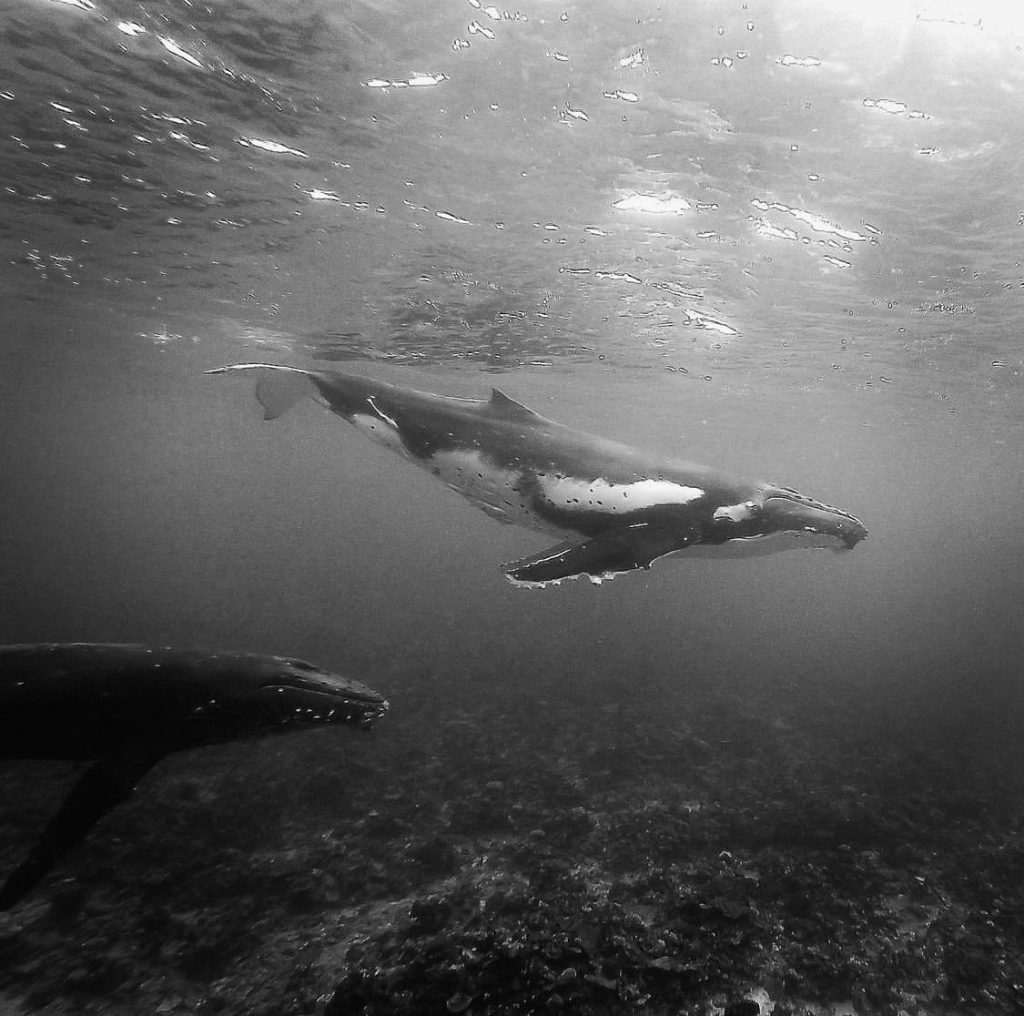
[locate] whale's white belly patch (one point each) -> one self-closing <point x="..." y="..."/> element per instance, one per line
<point x="500" y="492"/>
<point x="615" y="498"/>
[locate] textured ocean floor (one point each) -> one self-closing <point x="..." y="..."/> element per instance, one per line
<point x="733" y="855"/>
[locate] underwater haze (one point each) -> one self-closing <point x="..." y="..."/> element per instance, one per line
<point x="784" y="239"/>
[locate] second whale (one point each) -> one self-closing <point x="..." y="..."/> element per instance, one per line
<point x="616" y="508"/>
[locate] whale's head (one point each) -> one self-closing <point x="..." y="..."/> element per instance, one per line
<point x="809" y="522"/>
<point x="780" y="518"/>
<point x="85" y="700"/>
<point x="240" y="695"/>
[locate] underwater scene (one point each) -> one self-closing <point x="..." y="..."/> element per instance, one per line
<point x="511" y="510"/>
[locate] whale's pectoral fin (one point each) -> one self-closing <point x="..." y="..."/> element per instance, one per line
<point x="104" y="786"/>
<point x="601" y="557"/>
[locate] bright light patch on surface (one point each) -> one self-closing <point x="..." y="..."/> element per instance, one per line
<point x="652" y="204"/>
<point x="175" y="50"/>
<point x="273" y="147"/>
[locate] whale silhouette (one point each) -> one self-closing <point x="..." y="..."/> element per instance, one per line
<point x="127" y="706"/>
<point x="616" y="508"/>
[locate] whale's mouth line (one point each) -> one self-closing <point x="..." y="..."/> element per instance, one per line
<point x="795" y="497"/>
<point x="338" y="699"/>
<point x="321" y="707"/>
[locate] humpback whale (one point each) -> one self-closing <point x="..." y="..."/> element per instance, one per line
<point x="615" y="508"/>
<point x="125" y="707"/>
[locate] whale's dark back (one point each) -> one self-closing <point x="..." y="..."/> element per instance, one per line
<point x="87" y="701"/>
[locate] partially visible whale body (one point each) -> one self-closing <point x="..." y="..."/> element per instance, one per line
<point x="616" y="508"/>
<point x="127" y="706"/>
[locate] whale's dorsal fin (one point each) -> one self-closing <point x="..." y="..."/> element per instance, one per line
<point x="502" y="405"/>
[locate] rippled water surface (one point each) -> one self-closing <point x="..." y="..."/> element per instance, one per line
<point x="783" y="238"/>
<point x="752" y="193"/>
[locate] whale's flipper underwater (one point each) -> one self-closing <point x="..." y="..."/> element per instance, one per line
<point x="616" y="508"/>
<point x="127" y="706"/>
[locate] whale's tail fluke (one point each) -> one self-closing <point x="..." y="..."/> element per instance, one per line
<point x="278" y="388"/>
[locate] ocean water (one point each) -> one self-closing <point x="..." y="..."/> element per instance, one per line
<point x="785" y="239"/>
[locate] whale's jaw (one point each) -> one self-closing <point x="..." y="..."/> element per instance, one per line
<point x="813" y="522"/>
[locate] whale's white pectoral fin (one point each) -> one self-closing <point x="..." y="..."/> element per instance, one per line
<point x="278" y="387"/>
<point x="602" y="557"/>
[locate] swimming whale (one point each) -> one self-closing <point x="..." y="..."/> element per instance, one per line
<point x="616" y="508"/>
<point x="127" y="706"/>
